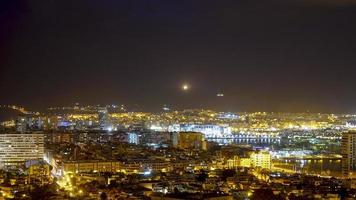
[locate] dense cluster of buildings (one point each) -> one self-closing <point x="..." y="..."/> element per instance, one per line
<point x="90" y="152"/>
<point x="17" y="147"/>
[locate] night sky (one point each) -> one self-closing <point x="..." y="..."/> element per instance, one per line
<point x="264" y="55"/>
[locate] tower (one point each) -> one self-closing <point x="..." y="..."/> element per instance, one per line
<point x="103" y="118"/>
<point x="348" y="152"/>
<point x="22" y="124"/>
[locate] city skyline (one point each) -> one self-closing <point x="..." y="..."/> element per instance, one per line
<point x="179" y="99"/>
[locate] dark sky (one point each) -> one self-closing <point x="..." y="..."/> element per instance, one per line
<point x="268" y="55"/>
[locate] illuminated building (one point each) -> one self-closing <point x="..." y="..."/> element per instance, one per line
<point x="209" y="131"/>
<point x="154" y="138"/>
<point x="157" y="128"/>
<point x="233" y="162"/>
<point x="238" y="162"/>
<point x="189" y="140"/>
<point x="137" y="166"/>
<point x="348" y="152"/>
<point x="245" y="162"/>
<point x="16" y="148"/>
<point x="103" y="117"/>
<point x="261" y="159"/>
<point x="92" y="135"/>
<point x="39" y="169"/>
<point x="22" y="124"/>
<point x="26" y="123"/>
<point x="90" y="166"/>
<point x="57" y="138"/>
<point x="39" y="172"/>
<point x="230" y="116"/>
<point x="133" y="138"/>
<point x="351" y="124"/>
<point x="36" y="123"/>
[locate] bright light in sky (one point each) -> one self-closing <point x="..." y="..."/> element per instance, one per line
<point x="185" y="87"/>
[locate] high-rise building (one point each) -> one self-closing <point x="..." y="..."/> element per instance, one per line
<point x="348" y="152"/>
<point x="103" y="118"/>
<point x="22" y="124"/>
<point x="261" y="159"/>
<point x="16" y="148"/>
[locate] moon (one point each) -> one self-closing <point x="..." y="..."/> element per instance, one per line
<point x="185" y="87"/>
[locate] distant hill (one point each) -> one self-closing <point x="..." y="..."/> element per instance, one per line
<point x="8" y="114"/>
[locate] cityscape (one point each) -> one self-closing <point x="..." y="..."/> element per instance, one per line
<point x="178" y="100"/>
<point x="106" y="152"/>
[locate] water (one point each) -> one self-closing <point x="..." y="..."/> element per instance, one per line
<point x="324" y="167"/>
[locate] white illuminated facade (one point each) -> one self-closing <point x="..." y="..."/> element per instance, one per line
<point x="351" y="124"/>
<point x="209" y="131"/>
<point x="230" y="116"/>
<point x="133" y="138"/>
<point x="16" y="148"/>
<point x="158" y="128"/>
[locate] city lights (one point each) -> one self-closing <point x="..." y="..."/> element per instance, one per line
<point x="220" y="100"/>
<point x="124" y="145"/>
